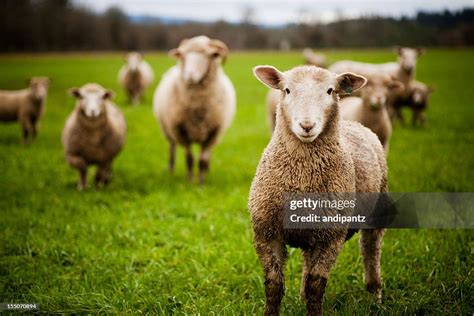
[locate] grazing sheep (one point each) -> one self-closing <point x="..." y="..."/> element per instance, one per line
<point x="416" y="98"/>
<point x="25" y="106"/>
<point x="135" y="76"/>
<point x="94" y="133"/>
<point x="370" y="109"/>
<point x="312" y="58"/>
<point x="312" y="150"/>
<point x="195" y="100"/>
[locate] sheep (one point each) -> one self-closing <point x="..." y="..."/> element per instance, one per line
<point x="195" y="100"/>
<point x="25" y="106"/>
<point x="135" y="76"/>
<point x="94" y="133"/>
<point x="312" y="58"/>
<point x="370" y="109"/>
<point x="417" y="99"/>
<point x="312" y="150"/>
<point x="404" y="70"/>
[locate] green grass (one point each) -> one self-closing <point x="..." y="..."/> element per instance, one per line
<point x="153" y="243"/>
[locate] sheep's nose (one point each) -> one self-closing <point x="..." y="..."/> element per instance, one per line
<point x="307" y="127"/>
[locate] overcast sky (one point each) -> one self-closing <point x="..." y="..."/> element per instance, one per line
<point x="273" y="12"/>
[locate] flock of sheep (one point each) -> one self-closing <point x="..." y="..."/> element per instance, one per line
<point x="331" y="131"/>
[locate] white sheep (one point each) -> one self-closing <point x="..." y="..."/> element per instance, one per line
<point x="94" y="133"/>
<point x="370" y="109"/>
<point x="312" y="150"/>
<point x="135" y="76"/>
<point x="25" y="106"/>
<point x="403" y="70"/>
<point x="195" y="100"/>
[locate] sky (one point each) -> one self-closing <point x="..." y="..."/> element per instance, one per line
<point x="273" y="12"/>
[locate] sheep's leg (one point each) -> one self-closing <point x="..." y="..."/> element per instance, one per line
<point x="80" y="164"/>
<point x="320" y="262"/>
<point x="189" y="162"/>
<point x="25" y="135"/>
<point x="415" y="117"/>
<point x="272" y="257"/>
<point x="204" y="160"/>
<point x="422" y="118"/>
<point x="172" y="157"/>
<point x="399" y="115"/>
<point x="371" y="249"/>
<point x="34" y="127"/>
<point x="304" y="277"/>
<point x="27" y="129"/>
<point x="136" y="99"/>
<point x="103" y="174"/>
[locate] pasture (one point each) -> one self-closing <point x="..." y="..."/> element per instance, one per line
<point x="151" y="242"/>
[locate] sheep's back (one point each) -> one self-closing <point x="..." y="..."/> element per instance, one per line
<point x="10" y="104"/>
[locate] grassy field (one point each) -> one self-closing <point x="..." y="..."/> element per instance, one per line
<point x="153" y="243"/>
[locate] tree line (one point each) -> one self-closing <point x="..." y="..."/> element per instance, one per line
<point x="59" y="25"/>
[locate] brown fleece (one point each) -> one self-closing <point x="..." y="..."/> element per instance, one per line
<point x="95" y="141"/>
<point x="345" y="157"/>
<point x="408" y="100"/>
<point x="24" y="106"/>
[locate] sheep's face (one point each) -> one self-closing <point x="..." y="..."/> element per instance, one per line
<point x="377" y="91"/>
<point x="199" y="58"/>
<point x="421" y="94"/>
<point x="407" y="58"/>
<point x="308" y="96"/>
<point x="91" y="99"/>
<point x="39" y="87"/>
<point x="133" y="61"/>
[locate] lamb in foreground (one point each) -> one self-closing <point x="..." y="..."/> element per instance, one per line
<point x="25" y="106"/>
<point x="94" y="133"/>
<point x="195" y="100"/>
<point x="312" y="150"/>
<point x="135" y="76"/>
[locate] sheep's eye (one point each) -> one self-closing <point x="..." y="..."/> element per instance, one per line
<point x="287" y="91"/>
<point x="329" y="91"/>
<point x="215" y="55"/>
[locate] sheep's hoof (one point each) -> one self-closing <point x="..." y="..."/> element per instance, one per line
<point x="376" y="289"/>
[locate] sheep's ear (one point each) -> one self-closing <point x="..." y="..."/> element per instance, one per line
<point x="108" y="95"/>
<point x="420" y="51"/>
<point x="396" y="85"/>
<point x="75" y="92"/>
<point x="269" y="76"/>
<point x="348" y="82"/>
<point x="220" y="48"/>
<point x="174" y="53"/>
